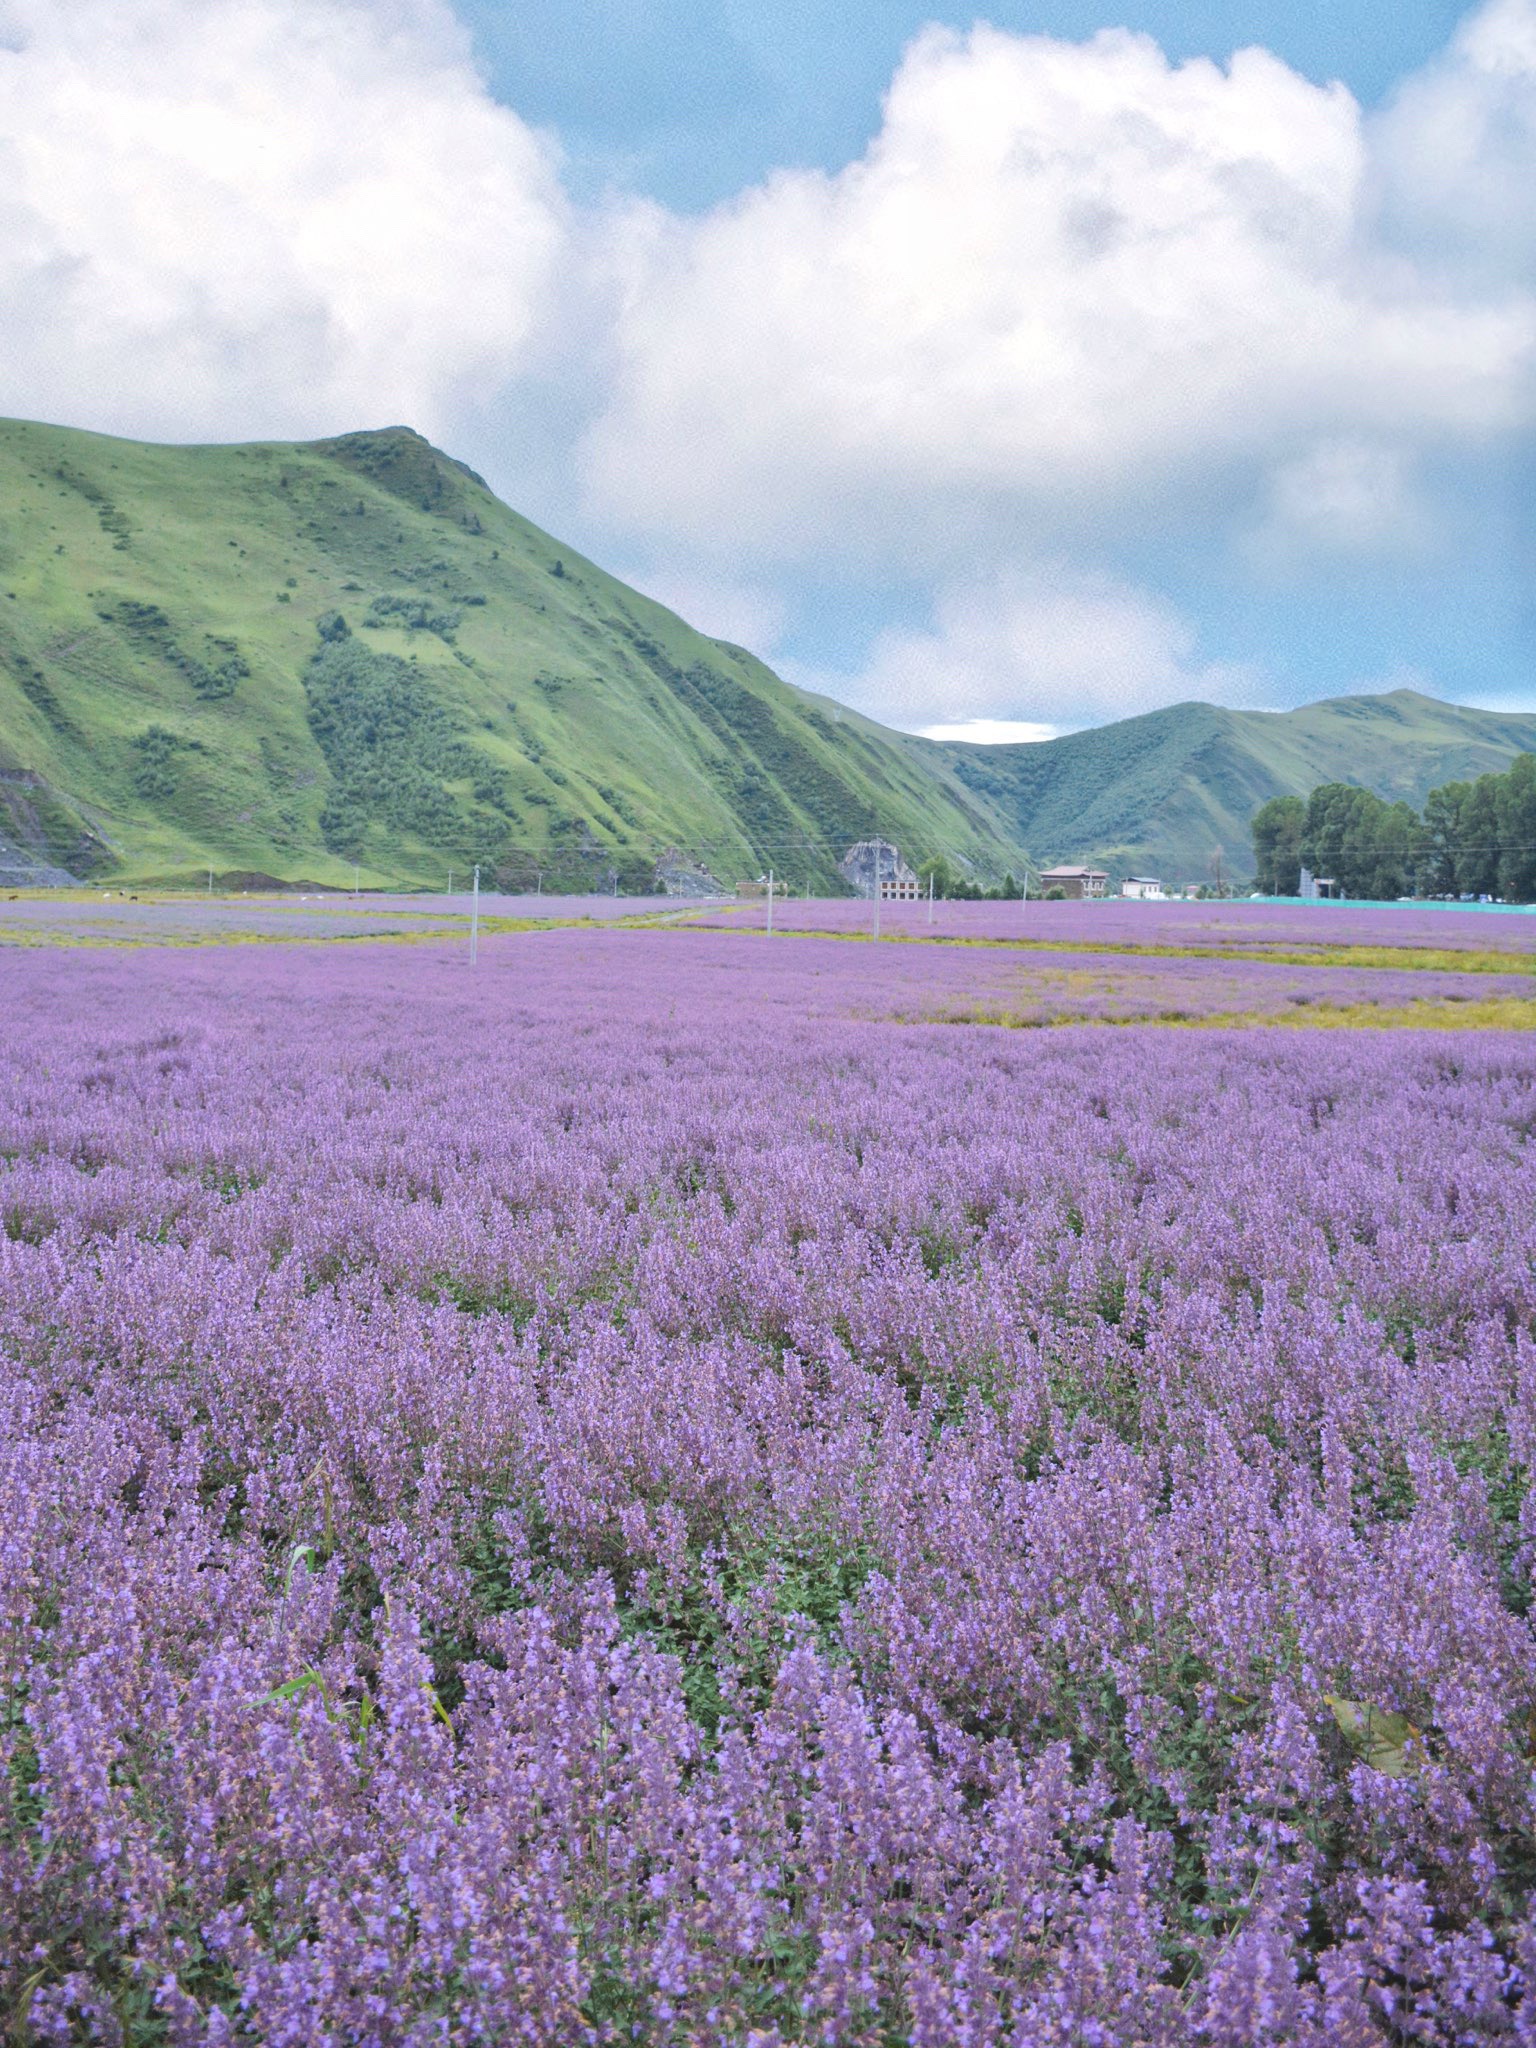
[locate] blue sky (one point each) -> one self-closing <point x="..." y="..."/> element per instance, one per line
<point x="997" y="376"/>
<point x="690" y="100"/>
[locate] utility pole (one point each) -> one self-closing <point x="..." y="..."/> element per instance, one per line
<point x="450" y="881"/>
<point x="877" y="885"/>
<point x="210" y="881"/>
<point x="930" y="896"/>
<point x="770" y="903"/>
<point x="474" y="922"/>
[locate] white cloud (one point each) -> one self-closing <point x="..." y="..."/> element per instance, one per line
<point x="1069" y="286"/>
<point x="1455" y="153"/>
<point x="742" y="613"/>
<point x="993" y="732"/>
<point x="262" y="216"/>
<point x="1341" y="500"/>
<point x="1042" y="647"/>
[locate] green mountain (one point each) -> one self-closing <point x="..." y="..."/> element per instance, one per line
<point x="283" y="660"/>
<point x="1161" y="793"/>
<point x="289" y="660"/>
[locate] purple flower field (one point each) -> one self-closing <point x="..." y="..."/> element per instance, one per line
<point x="1250" y="927"/>
<point x="120" y="918"/>
<point x="623" y="1495"/>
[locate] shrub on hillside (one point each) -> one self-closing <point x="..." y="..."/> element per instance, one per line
<point x="414" y="614"/>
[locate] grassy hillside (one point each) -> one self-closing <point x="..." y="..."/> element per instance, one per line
<point x="285" y="660"/>
<point x="1160" y="793"/>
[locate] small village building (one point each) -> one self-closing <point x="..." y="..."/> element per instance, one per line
<point x="1074" y="883"/>
<point x="900" y="888"/>
<point x="1142" y="889"/>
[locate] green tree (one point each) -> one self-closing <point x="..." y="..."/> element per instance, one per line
<point x="1480" y="837"/>
<point x="940" y="873"/>
<point x="1368" y="846"/>
<point x="1398" y="837"/>
<point x="1517" y="831"/>
<point x="1328" y="829"/>
<point x="1277" y="830"/>
<point x="1440" y="867"/>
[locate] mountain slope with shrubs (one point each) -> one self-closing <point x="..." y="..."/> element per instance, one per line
<point x="285" y="660"/>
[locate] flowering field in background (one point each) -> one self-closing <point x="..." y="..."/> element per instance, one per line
<point x="1420" y="937"/>
<point x="826" y="975"/>
<point x="1245" y="927"/>
<point x="627" y="1495"/>
<point x="120" y="917"/>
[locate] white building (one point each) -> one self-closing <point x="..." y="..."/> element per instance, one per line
<point x="1143" y="889"/>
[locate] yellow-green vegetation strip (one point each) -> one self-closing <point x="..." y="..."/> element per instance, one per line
<point x="137" y="937"/>
<point x="1441" y="960"/>
<point x="1494" y="1013"/>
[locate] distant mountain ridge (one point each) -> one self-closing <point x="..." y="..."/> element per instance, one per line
<point x="310" y="660"/>
<point x="293" y="660"/>
<point x="1161" y="792"/>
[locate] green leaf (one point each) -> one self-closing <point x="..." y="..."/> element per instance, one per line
<point x="308" y="1680"/>
<point x="302" y="1553"/>
<point x="1379" y="1738"/>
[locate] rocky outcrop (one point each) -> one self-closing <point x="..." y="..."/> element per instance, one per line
<point x="678" y="876"/>
<point x="868" y="858"/>
<point x="39" y="833"/>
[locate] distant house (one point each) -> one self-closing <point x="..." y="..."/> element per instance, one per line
<point x="1074" y="883"/>
<point x="900" y="888"/>
<point x="1142" y="889"/>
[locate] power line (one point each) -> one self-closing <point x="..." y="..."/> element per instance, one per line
<point x="761" y="851"/>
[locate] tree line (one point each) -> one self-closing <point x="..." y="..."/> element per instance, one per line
<point x="949" y="885"/>
<point x="1471" y="839"/>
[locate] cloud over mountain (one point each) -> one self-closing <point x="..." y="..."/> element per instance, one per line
<point x="1073" y="645"/>
<point x="248" y="216"/>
